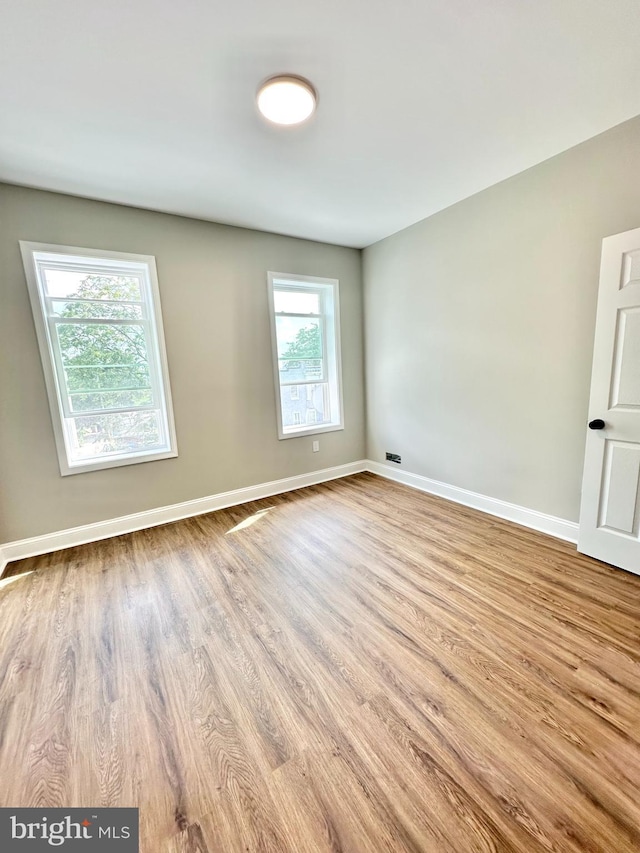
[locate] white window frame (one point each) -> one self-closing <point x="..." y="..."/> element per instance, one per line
<point x="36" y="254"/>
<point x="329" y="292"/>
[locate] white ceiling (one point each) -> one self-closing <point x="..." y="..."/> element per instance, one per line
<point x="422" y="102"/>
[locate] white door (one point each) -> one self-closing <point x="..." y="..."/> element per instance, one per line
<point x="610" y="512"/>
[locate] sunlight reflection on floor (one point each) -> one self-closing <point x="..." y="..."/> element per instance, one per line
<point x="13" y="578"/>
<point x="249" y="521"/>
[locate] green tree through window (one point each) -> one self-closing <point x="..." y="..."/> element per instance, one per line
<point x="307" y="344"/>
<point x="106" y="365"/>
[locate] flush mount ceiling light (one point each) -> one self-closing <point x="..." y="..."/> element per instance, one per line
<point x="286" y="99"/>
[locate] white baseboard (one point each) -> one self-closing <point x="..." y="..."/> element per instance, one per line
<point x="23" y="548"/>
<point x="549" y="524"/>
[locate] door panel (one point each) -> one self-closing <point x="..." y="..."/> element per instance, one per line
<point x="625" y="388"/>
<point x="619" y="496"/>
<point x="610" y="511"/>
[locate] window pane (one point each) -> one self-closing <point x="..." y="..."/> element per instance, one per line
<point x="92" y="310"/>
<point x="311" y="407"/>
<point x="107" y="377"/>
<point x="299" y="337"/>
<point x="299" y="349"/>
<point x="296" y="302"/>
<point x="105" y="358"/>
<point x="104" y="435"/>
<point x="81" y="285"/>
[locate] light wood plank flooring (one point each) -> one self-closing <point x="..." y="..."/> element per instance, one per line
<point x="351" y="667"/>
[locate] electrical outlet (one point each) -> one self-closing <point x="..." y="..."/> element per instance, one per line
<point x="393" y="457"/>
<point x="316" y="446"/>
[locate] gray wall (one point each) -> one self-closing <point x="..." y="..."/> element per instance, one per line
<point x="479" y="327"/>
<point x="214" y="301"/>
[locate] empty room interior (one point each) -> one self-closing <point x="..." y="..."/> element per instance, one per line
<point x="320" y="426"/>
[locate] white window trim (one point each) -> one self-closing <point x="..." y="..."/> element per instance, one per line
<point x="274" y="278"/>
<point x="47" y="353"/>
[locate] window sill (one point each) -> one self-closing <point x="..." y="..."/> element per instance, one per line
<point x="115" y="462"/>
<point x="312" y="429"/>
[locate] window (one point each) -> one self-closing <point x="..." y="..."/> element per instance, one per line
<point x="305" y="327"/>
<point x="294" y="392"/>
<point x="99" y="327"/>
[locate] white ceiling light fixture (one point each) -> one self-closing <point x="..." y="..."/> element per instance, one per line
<point x="287" y="99"/>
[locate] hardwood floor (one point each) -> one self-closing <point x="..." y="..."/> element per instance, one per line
<point x="354" y="666"/>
